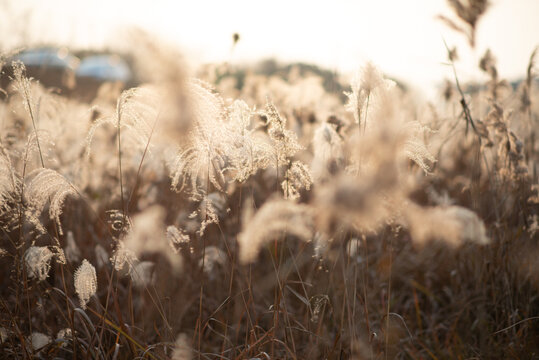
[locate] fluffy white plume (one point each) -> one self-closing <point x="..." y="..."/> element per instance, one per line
<point x="452" y="224"/>
<point x="37" y="260"/>
<point x="182" y="349"/>
<point x="85" y="282"/>
<point x="142" y="274"/>
<point x="72" y="251"/>
<point x="38" y="340"/>
<point x="275" y="219"/>
<point x="48" y="187"/>
<point x="148" y="235"/>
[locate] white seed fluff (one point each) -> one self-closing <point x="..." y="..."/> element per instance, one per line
<point x="85" y="282"/>
<point x="37" y="259"/>
<point x="39" y="340"/>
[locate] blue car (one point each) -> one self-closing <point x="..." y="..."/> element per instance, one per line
<point x="96" y="70"/>
<point x="52" y="67"/>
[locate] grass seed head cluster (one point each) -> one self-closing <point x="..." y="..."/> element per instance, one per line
<point x="191" y="218"/>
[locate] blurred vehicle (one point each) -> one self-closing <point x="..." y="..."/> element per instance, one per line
<point x="52" y="67"/>
<point x="104" y="68"/>
<point x="96" y="70"/>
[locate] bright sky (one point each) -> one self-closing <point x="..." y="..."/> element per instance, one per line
<point x="401" y="36"/>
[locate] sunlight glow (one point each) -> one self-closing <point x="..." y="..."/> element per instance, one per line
<point x="402" y="37"/>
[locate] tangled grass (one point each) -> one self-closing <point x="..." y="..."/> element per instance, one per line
<point x="197" y="220"/>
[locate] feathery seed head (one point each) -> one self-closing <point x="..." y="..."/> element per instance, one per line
<point x="142" y="274"/>
<point x="452" y="224"/>
<point x="182" y="349"/>
<point x="297" y="177"/>
<point x="72" y="251"/>
<point x="48" y="187"/>
<point x="38" y="340"/>
<point x="85" y="282"/>
<point x="37" y="260"/>
<point x="274" y="219"/>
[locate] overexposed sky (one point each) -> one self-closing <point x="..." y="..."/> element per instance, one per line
<point x="401" y="36"/>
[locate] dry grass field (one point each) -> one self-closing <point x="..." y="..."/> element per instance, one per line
<point x="228" y="213"/>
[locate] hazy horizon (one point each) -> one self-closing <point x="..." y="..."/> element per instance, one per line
<point x="403" y="38"/>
